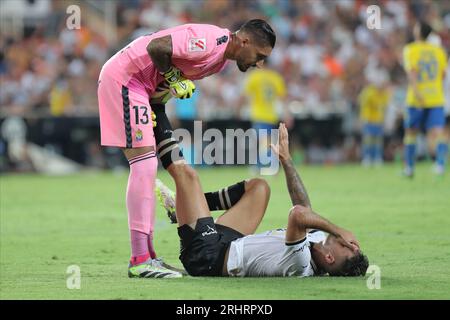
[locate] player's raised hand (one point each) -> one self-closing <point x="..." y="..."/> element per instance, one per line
<point x="179" y="86"/>
<point x="282" y="148"/>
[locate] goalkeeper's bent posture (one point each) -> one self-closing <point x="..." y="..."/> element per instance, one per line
<point x="139" y="79"/>
<point x="228" y="247"/>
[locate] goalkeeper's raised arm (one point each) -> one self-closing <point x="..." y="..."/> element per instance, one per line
<point x="160" y="51"/>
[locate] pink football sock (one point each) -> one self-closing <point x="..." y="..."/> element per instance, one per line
<point x="141" y="204"/>
<point x="151" y="249"/>
<point x="139" y="247"/>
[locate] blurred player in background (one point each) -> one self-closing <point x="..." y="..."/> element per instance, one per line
<point x="137" y="81"/>
<point x="264" y="87"/>
<point x="373" y="101"/>
<point x="425" y="64"/>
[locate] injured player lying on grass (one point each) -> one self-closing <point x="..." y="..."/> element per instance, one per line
<point x="229" y="247"/>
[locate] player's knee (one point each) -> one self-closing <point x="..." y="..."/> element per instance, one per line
<point x="153" y="166"/>
<point x="260" y="186"/>
<point x="145" y="165"/>
<point x="183" y="171"/>
<point x="133" y="153"/>
<point x="191" y="173"/>
<point x="148" y="170"/>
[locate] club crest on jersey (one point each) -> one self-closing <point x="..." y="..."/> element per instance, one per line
<point x="139" y="135"/>
<point x="197" y="44"/>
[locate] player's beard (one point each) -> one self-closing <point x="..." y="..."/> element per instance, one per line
<point x="241" y="67"/>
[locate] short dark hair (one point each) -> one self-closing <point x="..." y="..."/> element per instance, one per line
<point x="262" y="31"/>
<point x="425" y="29"/>
<point x="353" y="267"/>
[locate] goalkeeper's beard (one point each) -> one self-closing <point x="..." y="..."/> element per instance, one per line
<point x="242" y="68"/>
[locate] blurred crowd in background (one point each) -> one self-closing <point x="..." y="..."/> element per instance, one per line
<point x="324" y="51"/>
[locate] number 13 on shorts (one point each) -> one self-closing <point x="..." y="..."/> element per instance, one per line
<point x="142" y="126"/>
<point x="141" y="114"/>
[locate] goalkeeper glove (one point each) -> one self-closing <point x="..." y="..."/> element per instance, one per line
<point x="161" y="95"/>
<point x="179" y="86"/>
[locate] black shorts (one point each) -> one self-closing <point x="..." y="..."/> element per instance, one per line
<point x="203" y="249"/>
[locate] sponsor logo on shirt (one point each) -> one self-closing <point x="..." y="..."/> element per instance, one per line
<point x="197" y="44"/>
<point x="210" y="231"/>
<point x="299" y="249"/>
<point x="221" y="40"/>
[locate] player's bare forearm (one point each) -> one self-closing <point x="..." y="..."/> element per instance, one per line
<point x="312" y="220"/>
<point x="160" y="51"/>
<point x="296" y="188"/>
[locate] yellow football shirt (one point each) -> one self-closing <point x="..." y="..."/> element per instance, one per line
<point x="430" y="62"/>
<point x="264" y="87"/>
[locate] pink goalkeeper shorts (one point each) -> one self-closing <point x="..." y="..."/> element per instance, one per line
<point x="125" y="114"/>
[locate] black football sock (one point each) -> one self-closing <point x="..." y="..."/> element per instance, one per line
<point x="225" y="198"/>
<point x="166" y="145"/>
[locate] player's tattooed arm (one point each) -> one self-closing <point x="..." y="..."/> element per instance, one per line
<point x="297" y="190"/>
<point x="160" y="51"/>
<point x="305" y="218"/>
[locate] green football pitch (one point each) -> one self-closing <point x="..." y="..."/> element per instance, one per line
<point x="51" y="223"/>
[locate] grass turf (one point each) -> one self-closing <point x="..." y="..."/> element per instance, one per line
<point x="49" y="223"/>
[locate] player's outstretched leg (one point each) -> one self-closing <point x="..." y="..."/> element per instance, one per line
<point x="249" y="197"/>
<point x="246" y="202"/>
<point x="246" y="214"/>
<point x="189" y="195"/>
<point x="203" y="245"/>
<point x="222" y="199"/>
<point x="191" y="202"/>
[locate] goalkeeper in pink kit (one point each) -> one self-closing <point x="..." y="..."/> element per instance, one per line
<point x="133" y="87"/>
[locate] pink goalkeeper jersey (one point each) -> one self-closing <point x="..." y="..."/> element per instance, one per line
<point x="198" y="51"/>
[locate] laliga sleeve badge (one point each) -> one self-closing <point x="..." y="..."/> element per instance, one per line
<point x="197" y="44"/>
<point x="139" y="135"/>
